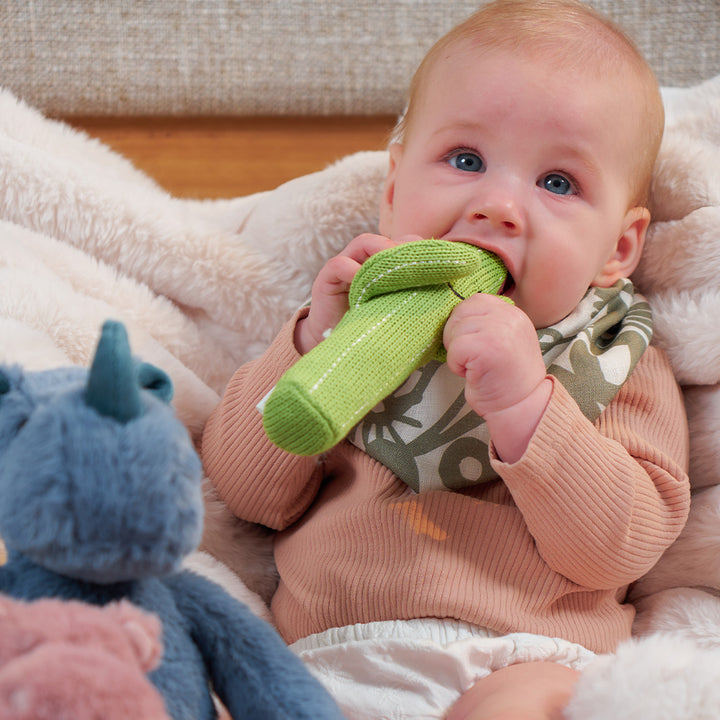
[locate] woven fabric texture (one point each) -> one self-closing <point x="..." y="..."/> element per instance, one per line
<point x="257" y="57"/>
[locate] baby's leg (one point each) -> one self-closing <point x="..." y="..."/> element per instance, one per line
<point x="528" y="691"/>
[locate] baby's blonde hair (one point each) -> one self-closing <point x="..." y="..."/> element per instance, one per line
<point x="570" y="32"/>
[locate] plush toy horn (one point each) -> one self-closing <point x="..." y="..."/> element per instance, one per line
<point x="112" y="387"/>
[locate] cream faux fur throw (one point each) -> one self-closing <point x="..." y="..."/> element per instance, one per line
<point x="204" y="286"/>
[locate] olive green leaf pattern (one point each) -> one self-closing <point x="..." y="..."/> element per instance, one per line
<point x="430" y="438"/>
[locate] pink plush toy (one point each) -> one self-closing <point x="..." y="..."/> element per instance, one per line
<point x="67" y="659"/>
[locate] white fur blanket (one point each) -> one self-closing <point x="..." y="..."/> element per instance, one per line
<point x="204" y="286"/>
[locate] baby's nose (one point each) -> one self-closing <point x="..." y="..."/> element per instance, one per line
<point x="501" y="211"/>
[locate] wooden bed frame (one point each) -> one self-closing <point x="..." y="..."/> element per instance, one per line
<point x="207" y="158"/>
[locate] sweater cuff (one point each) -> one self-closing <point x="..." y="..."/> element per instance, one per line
<point x="282" y="349"/>
<point x="280" y="355"/>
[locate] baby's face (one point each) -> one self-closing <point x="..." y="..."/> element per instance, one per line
<point x="528" y="160"/>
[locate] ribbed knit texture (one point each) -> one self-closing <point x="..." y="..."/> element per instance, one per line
<point x="400" y="300"/>
<point x="587" y="509"/>
<point x="271" y="57"/>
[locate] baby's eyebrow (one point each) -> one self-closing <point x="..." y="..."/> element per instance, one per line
<point x="459" y="126"/>
<point x="576" y="155"/>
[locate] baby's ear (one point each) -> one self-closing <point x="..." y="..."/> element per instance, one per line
<point x="388" y="195"/>
<point x="628" y="249"/>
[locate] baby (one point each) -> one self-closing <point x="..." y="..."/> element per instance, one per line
<point x="474" y="536"/>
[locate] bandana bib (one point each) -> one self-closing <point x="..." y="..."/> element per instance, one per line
<point x="429" y="437"/>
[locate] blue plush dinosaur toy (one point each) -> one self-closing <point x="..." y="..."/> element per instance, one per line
<point x="100" y="500"/>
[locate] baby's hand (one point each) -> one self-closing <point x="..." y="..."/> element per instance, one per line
<point x="330" y="290"/>
<point x="494" y="346"/>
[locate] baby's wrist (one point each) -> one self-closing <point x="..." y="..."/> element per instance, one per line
<point x="512" y="428"/>
<point x="304" y="338"/>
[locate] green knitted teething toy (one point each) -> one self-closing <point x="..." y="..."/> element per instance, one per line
<point x="400" y="300"/>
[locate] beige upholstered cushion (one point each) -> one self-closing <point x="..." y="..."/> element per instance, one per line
<point x="251" y="57"/>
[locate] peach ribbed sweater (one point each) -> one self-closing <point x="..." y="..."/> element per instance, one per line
<point x="550" y="550"/>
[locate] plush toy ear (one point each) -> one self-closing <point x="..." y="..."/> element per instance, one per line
<point x="112" y="387"/>
<point x="155" y="380"/>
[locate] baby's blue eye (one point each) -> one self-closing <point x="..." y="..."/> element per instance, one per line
<point x="557" y="184"/>
<point x="467" y="161"/>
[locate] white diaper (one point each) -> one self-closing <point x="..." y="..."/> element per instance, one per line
<point x="416" y="669"/>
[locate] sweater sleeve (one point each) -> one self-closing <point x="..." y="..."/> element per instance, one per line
<point x="603" y="500"/>
<point x="257" y="480"/>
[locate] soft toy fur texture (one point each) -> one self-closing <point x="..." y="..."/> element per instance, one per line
<point x="664" y="677"/>
<point x="73" y="660"/>
<point x="204" y="286"/>
<point x="100" y="501"/>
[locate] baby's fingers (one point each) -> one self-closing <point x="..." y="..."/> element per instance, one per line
<point x="366" y="245"/>
<point x="483" y="332"/>
<point x="335" y="277"/>
<point x="472" y="315"/>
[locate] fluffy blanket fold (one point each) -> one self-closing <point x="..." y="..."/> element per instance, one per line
<point x="203" y="286"/>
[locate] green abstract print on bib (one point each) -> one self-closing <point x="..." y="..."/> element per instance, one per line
<point x="430" y="438"/>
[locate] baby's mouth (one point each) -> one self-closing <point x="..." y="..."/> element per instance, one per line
<point x="508" y="285"/>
